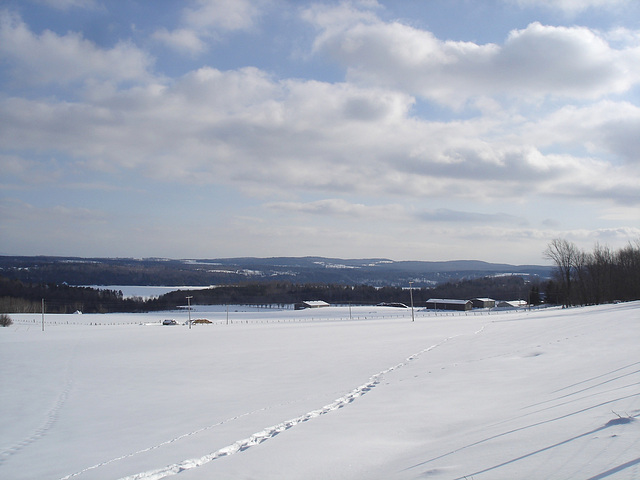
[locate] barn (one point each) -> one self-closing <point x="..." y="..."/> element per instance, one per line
<point x="483" y="302"/>
<point x="311" y="304"/>
<point x="449" y="304"/>
<point x="392" y="304"/>
<point x="512" y="304"/>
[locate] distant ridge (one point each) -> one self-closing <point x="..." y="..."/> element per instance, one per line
<point x="226" y="271"/>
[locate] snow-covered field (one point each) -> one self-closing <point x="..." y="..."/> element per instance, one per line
<point x="323" y="394"/>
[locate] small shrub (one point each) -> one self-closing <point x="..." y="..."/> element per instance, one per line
<point x="5" y="320"/>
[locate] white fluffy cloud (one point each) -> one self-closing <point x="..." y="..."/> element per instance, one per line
<point x="605" y="128"/>
<point x="537" y="61"/>
<point x="223" y="14"/>
<point x="182" y="39"/>
<point x="206" y="19"/>
<point x="266" y="135"/>
<point x="62" y="59"/>
<point x="246" y="128"/>
<point x="569" y="6"/>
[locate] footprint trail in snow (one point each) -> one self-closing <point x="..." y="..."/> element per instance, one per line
<point x="270" y="432"/>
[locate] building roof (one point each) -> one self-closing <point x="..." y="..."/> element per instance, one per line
<point x="448" y="301"/>
<point x="316" y="303"/>
<point x="513" y="303"/>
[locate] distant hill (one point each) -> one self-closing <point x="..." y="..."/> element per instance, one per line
<point x="231" y="271"/>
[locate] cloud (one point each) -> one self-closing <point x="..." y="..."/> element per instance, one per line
<point x="469" y="218"/>
<point x="206" y="19"/>
<point x="14" y="165"/>
<point x="569" y="6"/>
<point x="68" y="4"/>
<point x="50" y="58"/>
<point x="586" y="179"/>
<point x="276" y="137"/>
<point x="28" y="171"/>
<point x="268" y="136"/>
<point x="60" y="215"/>
<point x="226" y="15"/>
<point x="336" y="207"/>
<point x="181" y="39"/>
<point x="340" y="207"/>
<point x="538" y="61"/>
<point x="331" y="19"/>
<point x="604" y="128"/>
<point x="614" y="237"/>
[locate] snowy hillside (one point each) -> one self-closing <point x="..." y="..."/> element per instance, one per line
<point x="323" y="394"/>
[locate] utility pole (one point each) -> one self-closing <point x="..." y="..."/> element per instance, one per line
<point x="411" y="294"/>
<point x="189" y="308"/>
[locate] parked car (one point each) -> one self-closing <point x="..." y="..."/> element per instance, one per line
<point x="169" y="321"/>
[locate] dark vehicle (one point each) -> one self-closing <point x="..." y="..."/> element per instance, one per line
<point x="169" y="321"/>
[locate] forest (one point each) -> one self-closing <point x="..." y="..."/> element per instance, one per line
<point x="603" y="275"/>
<point x="21" y="297"/>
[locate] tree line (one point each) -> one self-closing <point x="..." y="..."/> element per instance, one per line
<point x="591" y="278"/>
<point x="21" y="297"/>
<point x="510" y="287"/>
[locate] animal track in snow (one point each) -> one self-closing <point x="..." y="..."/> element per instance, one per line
<point x="270" y="432"/>
<point x="167" y="442"/>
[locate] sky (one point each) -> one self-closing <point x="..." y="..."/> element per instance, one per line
<point x="409" y="130"/>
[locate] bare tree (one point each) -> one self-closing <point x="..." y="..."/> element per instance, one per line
<point x="593" y="278"/>
<point x="565" y="255"/>
<point x="581" y="262"/>
<point x="627" y="272"/>
<point x="600" y="269"/>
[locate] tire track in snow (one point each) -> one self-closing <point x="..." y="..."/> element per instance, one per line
<point x="270" y="432"/>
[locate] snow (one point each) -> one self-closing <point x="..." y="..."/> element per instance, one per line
<point x="332" y="393"/>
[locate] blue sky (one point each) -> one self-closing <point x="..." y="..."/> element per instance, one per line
<point x="410" y="130"/>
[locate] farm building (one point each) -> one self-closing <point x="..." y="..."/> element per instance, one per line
<point x="311" y="304"/>
<point x="448" y="304"/>
<point x="512" y="304"/>
<point x="483" y="303"/>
